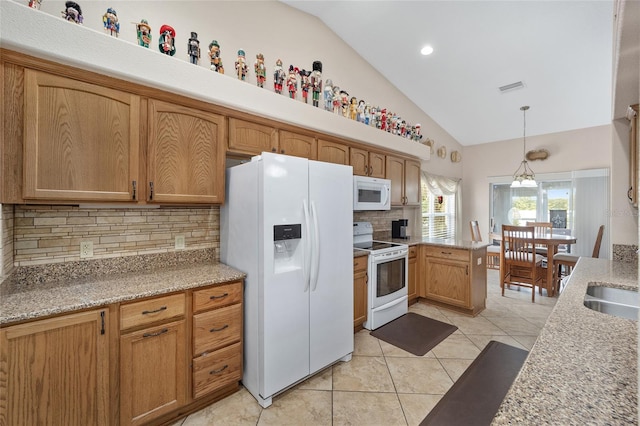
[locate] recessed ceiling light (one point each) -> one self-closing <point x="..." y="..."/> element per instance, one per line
<point x="427" y="50"/>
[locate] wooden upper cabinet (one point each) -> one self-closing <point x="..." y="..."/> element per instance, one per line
<point x="366" y="163"/>
<point x="246" y="137"/>
<point x="405" y="181"/>
<point x="298" y="145"/>
<point x="332" y="152"/>
<point x="186" y="155"/>
<point x="81" y="141"/>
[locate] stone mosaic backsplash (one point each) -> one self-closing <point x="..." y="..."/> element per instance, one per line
<point x="52" y="234"/>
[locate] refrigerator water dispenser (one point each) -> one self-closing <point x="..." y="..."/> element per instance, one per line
<point x="287" y="251"/>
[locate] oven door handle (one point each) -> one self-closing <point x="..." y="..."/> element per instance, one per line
<point x="306" y="267"/>
<point x="315" y="250"/>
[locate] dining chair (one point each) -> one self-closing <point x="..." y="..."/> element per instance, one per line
<point x="541" y="229"/>
<point x="493" y="251"/>
<point x="522" y="266"/>
<point x="569" y="261"/>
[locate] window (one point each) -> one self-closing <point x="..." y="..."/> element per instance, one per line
<point x="438" y="214"/>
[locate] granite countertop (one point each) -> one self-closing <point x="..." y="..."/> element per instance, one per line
<point x="440" y="242"/>
<point x="582" y="368"/>
<point x="20" y="301"/>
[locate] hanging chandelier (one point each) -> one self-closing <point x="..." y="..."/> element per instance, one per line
<point x="524" y="176"/>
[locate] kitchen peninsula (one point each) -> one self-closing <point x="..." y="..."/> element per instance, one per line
<point x="583" y="368"/>
<point x="452" y="273"/>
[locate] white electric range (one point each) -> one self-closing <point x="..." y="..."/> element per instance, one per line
<point x="387" y="276"/>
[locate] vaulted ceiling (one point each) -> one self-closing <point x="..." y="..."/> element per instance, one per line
<point x="561" y="51"/>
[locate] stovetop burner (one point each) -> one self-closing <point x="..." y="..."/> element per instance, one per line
<point x="376" y="245"/>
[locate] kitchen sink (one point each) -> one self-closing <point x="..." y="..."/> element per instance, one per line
<point x="613" y="301"/>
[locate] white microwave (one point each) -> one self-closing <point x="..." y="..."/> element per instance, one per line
<point x="371" y="193"/>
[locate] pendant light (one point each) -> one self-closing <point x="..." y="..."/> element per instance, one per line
<point x="524" y="176"/>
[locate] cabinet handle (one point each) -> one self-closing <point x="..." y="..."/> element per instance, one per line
<point x="445" y="252"/>
<point x="134" y="184"/>
<point x="151" y="191"/>
<point x="162" y="308"/>
<point x="102" y="322"/>
<point x="467" y="270"/>
<point x="164" y="330"/>
<point x="219" y="370"/>
<point x="219" y="297"/>
<point x="367" y="279"/>
<point x="282" y="151"/>
<point x="213" y="330"/>
<point x="273" y="150"/>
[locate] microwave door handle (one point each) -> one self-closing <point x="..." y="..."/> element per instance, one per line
<point x="306" y="256"/>
<point x="388" y="195"/>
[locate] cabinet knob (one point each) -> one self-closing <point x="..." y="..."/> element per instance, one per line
<point x="273" y="150"/>
<point x="282" y="151"/>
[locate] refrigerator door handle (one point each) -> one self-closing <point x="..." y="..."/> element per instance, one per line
<point x="306" y="267"/>
<point x="315" y="268"/>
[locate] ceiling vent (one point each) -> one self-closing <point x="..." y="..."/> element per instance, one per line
<point x="512" y="86"/>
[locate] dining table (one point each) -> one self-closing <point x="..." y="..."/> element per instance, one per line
<point x="551" y="241"/>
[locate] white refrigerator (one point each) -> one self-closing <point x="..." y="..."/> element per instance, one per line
<point x="287" y="223"/>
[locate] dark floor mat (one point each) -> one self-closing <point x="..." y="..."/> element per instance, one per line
<point x="414" y="333"/>
<point x="475" y="397"/>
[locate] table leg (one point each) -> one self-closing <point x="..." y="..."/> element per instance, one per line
<point x="551" y="279"/>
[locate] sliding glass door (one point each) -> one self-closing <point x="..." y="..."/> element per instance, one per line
<point x="576" y="203"/>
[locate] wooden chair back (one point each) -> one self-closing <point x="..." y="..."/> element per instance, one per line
<point x="475" y="231"/>
<point x="522" y="266"/>
<point x="542" y="228"/>
<point x="596" y="246"/>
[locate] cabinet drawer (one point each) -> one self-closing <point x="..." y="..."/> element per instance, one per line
<point x="152" y="310"/>
<point x="217" y="369"/>
<point x="360" y="263"/>
<point x="215" y="297"/>
<point x="447" y="253"/>
<point x="217" y="328"/>
<point x="413" y="251"/>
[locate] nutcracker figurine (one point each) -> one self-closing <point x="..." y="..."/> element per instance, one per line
<point x="305" y="84"/>
<point x="278" y="77"/>
<point x="110" y="22"/>
<point x="353" y="108"/>
<point x="72" y="12"/>
<point x="260" y="69"/>
<point x="316" y="81"/>
<point x="214" y="55"/>
<point x="193" y="47"/>
<point x="360" y="111"/>
<point x="143" y="31"/>
<point x="328" y="95"/>
<point x="335" y="100"/>
<point x="292" y="82"/>
<point x="166" y="44"/>
<point x="35" y="4"/>
<point x="241" y="66"/>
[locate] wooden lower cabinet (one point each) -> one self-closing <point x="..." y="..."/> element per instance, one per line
<point x="412" y="276"/>
<point x="455" y="278"/>
<point x="56" y="371"/>
<point x="360" y="291"/>
<point x="147" y="361"/>
<point x="153" y="374"/>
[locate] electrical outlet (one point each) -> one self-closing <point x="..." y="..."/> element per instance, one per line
<point x="86" y="249"/>
<point x="479" y="261"/>
<point x="179" y="242"/>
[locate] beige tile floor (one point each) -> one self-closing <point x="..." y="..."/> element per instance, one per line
<point x="384" y="385"/>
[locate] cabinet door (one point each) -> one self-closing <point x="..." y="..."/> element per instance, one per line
<point x="56" y="371"/>
<point x="186" y="155"/>
<point x="395" y="172"/>
<point x="332" y="152"/>
<point x="250" y="138"/>
<point x="412" y="276"/>
<point x="412" y="183"/>
<point x="81" y="141"/>
<point x="377" y="165"/>
<point x="359" y="160"/>
<point x="153" y="374"/>
<point x="360" y="289"/>
<point x="298" y="145"/>
<point x="448" y="281"/>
